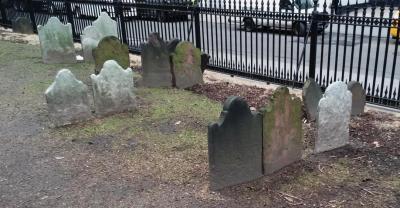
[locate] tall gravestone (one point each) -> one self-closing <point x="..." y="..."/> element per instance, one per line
<point x="311" y="94"/>
<point x="358" y="97"/>
<point x="56" y="42"/>
<point x="113" y="89"/>
<point x="333" y="121"/>
<point x="156" y="62"/>
<point x="282" y="131"/>
<point x="186" y="62"/>
<point x="67" y="99"/>
<point x="91" y="36"/>
<point x="110" y="48"/>
<point x="235" y="145"/>
<point x="22" y="25"/>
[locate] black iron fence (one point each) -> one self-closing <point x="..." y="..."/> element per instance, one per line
<point x="281" y="41"/>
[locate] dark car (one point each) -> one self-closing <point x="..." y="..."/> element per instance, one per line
<point x="163" y="10"/>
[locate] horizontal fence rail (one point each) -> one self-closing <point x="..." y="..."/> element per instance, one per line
<point x="282" y="41"/>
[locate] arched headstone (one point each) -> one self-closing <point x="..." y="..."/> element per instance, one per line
<point x="110" y="48"/>
<point x="22" y="25"/>
<point x="56" y="42"/>
<point x="235" y="145"/>
<point x="311" y="94"/>
<point x="358" y="97"/>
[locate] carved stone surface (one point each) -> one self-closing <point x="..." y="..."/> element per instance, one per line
<point x="91" y="36"/>
<point x="235" y="145"/>
<point x="334" y="111"/>
<point x="56" y="42"/>
<point x="156" y="62"/>
<point x="67" y="100"/>
<point x="282" y="131"/>
<point x="358" y="97"/>
<point x="311" y="94"/>
<point x="186" y="62"/>
<point x="113" y="89"/>
<point x="22" y="25"/>
<point x="110" y="48"/>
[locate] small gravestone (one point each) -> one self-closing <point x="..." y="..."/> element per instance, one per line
<point x="334" y="111"/>
<point x="235" y="145"/>
<point x="186" y="62"/>
<point x="171" y="45"/>
<point x="67" y="100"/>
<point x="205" y="59"/>
<point x="282" y="131"/>
<point x="156" y="62"/>
<point x="110" y="48"/>
<point x="311" y="94"/>
<point x="358" y="97"/>
<point x="22" y="25"/>
<point x="56" y="42"/>
<point x="91" y="36"/>
<point x="113" y="89"/>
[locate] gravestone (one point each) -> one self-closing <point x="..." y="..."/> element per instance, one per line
<point x="171" y="45"/>
<point x="67" y="100"/>
<point x="91" y="36"/>
<point x="358" y="97"/>
<point x="282" y="131"/>
<point x="56" y="42"/>
<point x="22" y="25"/>
<point x="110" y="48"/>
<point x="311" y="94"/>
<point x="334" y="111"/>
<point x="205" y="59"/>
<point x="113" y="89"/>
<point x="235" y="145"/>
<point x="186" y="62"/>
<point x="156" y="62"/>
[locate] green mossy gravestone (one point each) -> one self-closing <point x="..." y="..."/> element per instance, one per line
<point x="91" y="36"/>
<point x="67" y="100"/>
<point x="311" y="94"/>
<point x="282" y="131"/>
<point x="186" y="62"/>
<point x="156" y="62"/>
<point x="358" y="97"/>
<point x="56" y="42"/>
<point x="113" y="89"/>
<point x="110" y="48"/>
<point x="333" y="121"/>
<point x="22" y="25"/>
<point x="235" y="145"/>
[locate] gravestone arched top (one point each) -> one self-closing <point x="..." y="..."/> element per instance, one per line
<point x="235" y="106"/>
<point x="112" y="71"/>
<point x="106" y="25"/>
<point x="65" y="81"/>
<point x="338" y="90"/>
<point x="54" y="23"/>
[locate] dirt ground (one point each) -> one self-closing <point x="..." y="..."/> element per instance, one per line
<point x="157" y="155"/>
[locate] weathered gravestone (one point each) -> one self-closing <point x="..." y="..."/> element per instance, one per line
<point x="205" y="59"/>
<point x="235" y="145"/>
<point x="91" y="36"/>
<point x="282" y="131"/>
<point x="334" y="111"/>
<point x="311" y="94"/>
<point x="22" y="25"/>
<point x="110" y="48"/>
<point x="113" y="89"/>
<point x="186" y="62"/>
<point x="358" y="97"/>
<point x="56" y="42"/>
<point x="156" y="63"/>
<point x="67" y="100"/>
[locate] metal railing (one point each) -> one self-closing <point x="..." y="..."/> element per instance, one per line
<point x="282" y="42"/>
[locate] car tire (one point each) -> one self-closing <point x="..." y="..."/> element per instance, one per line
<point x="300" y="29"/>
<point x="249" y="24"/>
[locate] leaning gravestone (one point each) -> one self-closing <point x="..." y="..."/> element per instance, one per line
<point x="334" y="111"/>
<point x="22" y="25"/>
<point x="113" y="89"/>
<point x="156" y="63"/>
<point x="186" y="62"/>
<point x="235" y="145"/>
<point x="110" y="48"/>
<point x="282" y="131"/>
<point x="56" y="42"/>
<point x="311" y="94"/>
<point x="67" y="99"/>
<point x="91" y="36"/>
<point x="358" y="97"/>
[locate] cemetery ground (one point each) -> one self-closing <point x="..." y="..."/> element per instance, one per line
<point x="156" y="156"/>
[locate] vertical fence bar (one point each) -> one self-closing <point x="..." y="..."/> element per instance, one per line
<point x="70" y="17"/>
<point x="32" y="15"/>
<point x="313" y="44"/>
<point x="119" y="11"/>
<point x="3" y="13"/>
<point x="196" y="15"/>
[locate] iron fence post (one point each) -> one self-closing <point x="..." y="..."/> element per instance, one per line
<point x="118" y="8"/>
<point x="313" y="43"/>
<point x="70" y="17"/>
<point x="3" y="13"/>
<point x="32" y="15"/>
<point x="196" y="15"/>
